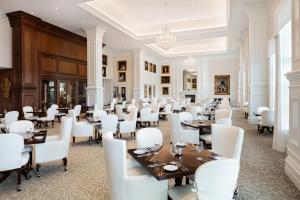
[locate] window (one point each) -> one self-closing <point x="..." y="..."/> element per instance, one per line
<point x="285" y="65"/>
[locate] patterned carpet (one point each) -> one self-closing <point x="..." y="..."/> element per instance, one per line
<point x="261" y="175"/>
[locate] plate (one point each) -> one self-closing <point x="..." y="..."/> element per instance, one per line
<point x="180" y="144"/>
<point x="170" y="168"/>
<point x="38" y="137"/>
<point x="36" y="131"/>
<point x="139" y="151"/>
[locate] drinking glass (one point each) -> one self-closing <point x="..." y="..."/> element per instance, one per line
<point x="173" y="151"/>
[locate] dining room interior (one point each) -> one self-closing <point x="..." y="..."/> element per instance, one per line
<point x="150" y="100"/>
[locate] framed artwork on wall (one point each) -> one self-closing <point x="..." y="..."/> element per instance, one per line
<point x="146" y="66"/>
<point x="165" y="79"/>
<point x="104" y="60"/>
<point x="123" y="93"/>
<point x="165" y="90"/>
<point x="150" y="67"/>
<point x="122" y="76"/>
<point x="194" y="80"/>
<point x="222" y="85"/>
<point x="154" y="68"/>
<point x="194" y="86"/>
<point x="165" y="69"/>
<point x="103" y="71"/>
<point x="122" y="65"/>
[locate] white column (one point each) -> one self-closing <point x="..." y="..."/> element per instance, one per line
<point x="94" y="65"/>
<point x="258" y="14"/>
<point x="202" y="84"/>
<point x="292" y="162"/>
<point x="138" y="70"/>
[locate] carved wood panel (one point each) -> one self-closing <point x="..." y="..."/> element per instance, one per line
<point x="48" y="63"/>
<point x="28" y="67"/>
<point x="67" y="67"/>
<point x="82" y="70"/>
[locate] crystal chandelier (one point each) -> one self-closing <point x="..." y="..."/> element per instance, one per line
<point x="166" y="40"/>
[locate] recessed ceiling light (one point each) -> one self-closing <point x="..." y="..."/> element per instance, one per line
<point x="61" y="25"/>
<point x="56" y="8"/>
<point x="32" y="13"/>
<point x="83" y="22"/>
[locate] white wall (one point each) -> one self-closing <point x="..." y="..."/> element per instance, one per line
<point x="5" y="42"/>
<point x="224" y="66"/>
<point x="150" y="78"/>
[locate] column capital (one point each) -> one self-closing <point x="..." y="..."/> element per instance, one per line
<point x="258" y="10"/>
<point x="93" y="32"/>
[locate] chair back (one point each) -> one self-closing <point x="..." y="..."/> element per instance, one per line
<point x="109" y="123"/>
<point x="133" y="112"/>
<point x="55" y="106"/>
<point x="65" y="133"/>
<point x="168" y="108"/>
<point x="115" y="161"/>
<point x="133" y="101"/>
<point x="119" y="111"/>
<point x="185" y="116"/>
<point x="217" y="180"/>
<point x="260" y="109"/>
<point x="96" y="107"/>
<point x="77" y="110"/>
<point x="227" y="141"/>
<point x="145" y="112"/>
<point x="124" y="104"/>
<point x="20" y="126"/>
<point x="194" y="110"/>
<point x="223" y="114"/>
<point x="148" y="137"/>
<point x="175" y="124"/>
<point x="176" y="105"/>
<point x="11" y="117"/>
<point x="11" y="147"/>
<point x="225" y="122"/>
<point x="112" y="105"/>
<point x="51" y="112"/>
<point x="71" y="113"/>
<point x="27" y="109"/>
<point x="99" y="114"/>
<point x="267" y="117"/>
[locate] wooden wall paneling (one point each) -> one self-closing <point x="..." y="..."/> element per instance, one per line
<point x="67" y="67"/>
<point x="28" y="70"/>
<point x="82" y="70"/>
<point x="47" y="63"/>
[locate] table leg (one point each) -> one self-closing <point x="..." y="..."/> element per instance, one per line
<point x="178" y="181"/>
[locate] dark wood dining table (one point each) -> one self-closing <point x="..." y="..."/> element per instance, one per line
<point x="209" y="114"/>
<point x="64" y="109"/>
<point x="37" y="112"/>
<point x="188" y="162"/>
<point x="198" y="124"/>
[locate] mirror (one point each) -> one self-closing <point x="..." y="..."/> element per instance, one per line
<point x="189" y="80"/>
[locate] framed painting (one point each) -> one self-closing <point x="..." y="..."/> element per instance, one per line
<point x="122" y="76"/>
<point x="165" y="79"/>
<point x="146" y="66"/>
<point x="165" y="69"/>
<point x="104" y="60"/>
<point x="222" y="85"/>
<point x="103" y="71"/>
<point x="165" y="90"/>
<point x="122" y="65"/>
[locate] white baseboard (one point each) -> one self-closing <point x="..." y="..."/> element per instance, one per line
<point x="292" y="170"/>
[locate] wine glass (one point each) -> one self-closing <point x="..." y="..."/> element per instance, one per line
<point x="173" y="152"/>
<point x="200" y="148"/>
<point x="156" y="150"/>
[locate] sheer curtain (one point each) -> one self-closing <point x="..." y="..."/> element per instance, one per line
<point x="284" y="65"/>
<point x="272" y="78"/>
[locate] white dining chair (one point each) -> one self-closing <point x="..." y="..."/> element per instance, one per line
<point x="109" y="123"/>
<point x="90" y="112"/>
<point x="81" y="129"/>
<point x="129" y="124"/>
<point x="215" y="180"/>
<point x="195" y="111"/>
<point x="227" y="141"/>
<point x="179" y="133"/>
<point x="57" y="113"/>
<point x="176" y="107"/>
<point x="12" y="157"/>
<point x="111" y="107"/>
<point x="56" y="147"/>
<point x="27" y="114"/>
<point x="127" y="180"/>
<point x="119" y="111"/>
<point x="267" y="121"/>
<point x="9" y="118"/>
<point x="167" y="110"/>
<point x="77" y="110"/>
<point x="20" y="126"/>
<point x="148" y="137"/>
<point x="223" y="114"/>
<point x="49" y="118"/>
<point x="207" y="137"/>
<point x="146" y="116"/>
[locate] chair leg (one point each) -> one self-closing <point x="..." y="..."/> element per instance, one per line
<point x="74" y="139"/>
<point x="37" y="169"/>
<point x="52" y="122"/>
<point x="19" y="179"/>
<point x="262" y="130"/>
<point x="65" y="162"/>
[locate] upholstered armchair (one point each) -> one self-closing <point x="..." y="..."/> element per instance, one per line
<point x="77" y="110"/>
<point x="81" y="129"/>
<point x="9" y="118"/>
<point x="149" y="137"/>
<point x="126" y="178"/>
<point x="129" y="124"/>
<point x="56" y="147"/>
<point x="27" y="114"/>
<point x="223" y="114"/>
<point x="147" y="116"/>
<point x="49" y="118"/>
<point x="266" y="121"/>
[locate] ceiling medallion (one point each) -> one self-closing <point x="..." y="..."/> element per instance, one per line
<point x="166" y="40"/>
